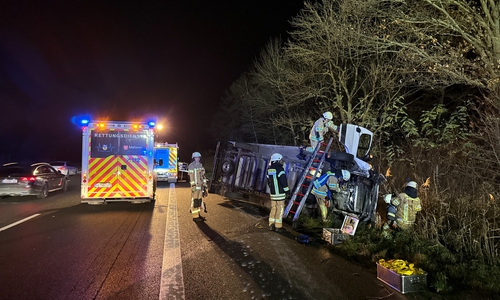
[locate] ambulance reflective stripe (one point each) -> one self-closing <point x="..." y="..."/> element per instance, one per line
<point x="102" y="170"/>
<point x="173" y="159"/>
<point x="131" y="182"/>
<point x="134" y="179"/>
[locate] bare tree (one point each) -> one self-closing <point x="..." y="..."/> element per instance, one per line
<point x="346" y="71"/>
<point x="285" y="99"/>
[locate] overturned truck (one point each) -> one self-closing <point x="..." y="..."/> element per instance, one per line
<point x="242" y="167"/>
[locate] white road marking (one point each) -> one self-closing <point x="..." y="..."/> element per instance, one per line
<point x="18" y="222"/>
<point x="172" y="281"/>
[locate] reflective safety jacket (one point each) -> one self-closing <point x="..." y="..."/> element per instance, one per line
<point x="277" y="181"/>
<point x="196" y="175"/>
<point x="320" y="128"/>
<point x="326" y="182"/>
<point x="407" y="210"/>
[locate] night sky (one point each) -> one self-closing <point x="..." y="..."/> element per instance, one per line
<point x="124" y="60"/>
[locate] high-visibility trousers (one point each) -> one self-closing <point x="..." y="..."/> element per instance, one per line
<point x="276" y="215"/>
<point x="196" y="207"/>
<point x="322" y="207"/>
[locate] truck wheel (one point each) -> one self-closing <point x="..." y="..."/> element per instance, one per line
<point x="227" y="167"/>
<point x="44" y="192"/>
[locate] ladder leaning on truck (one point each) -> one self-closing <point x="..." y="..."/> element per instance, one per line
<point x="117" y="162"/>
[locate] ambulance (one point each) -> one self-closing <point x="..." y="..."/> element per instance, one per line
<point x="117" y="162"/>
<point x="165" y="168"/>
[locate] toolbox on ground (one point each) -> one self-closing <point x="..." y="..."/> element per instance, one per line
<point x="334" y="236"/>
<point x="401" y="283"/>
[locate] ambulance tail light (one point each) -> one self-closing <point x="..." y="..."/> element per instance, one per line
<point x="84" y="178"/>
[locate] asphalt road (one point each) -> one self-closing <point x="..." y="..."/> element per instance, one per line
<point x="69" y="250"/>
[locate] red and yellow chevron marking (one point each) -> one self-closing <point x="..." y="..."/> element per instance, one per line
<point x="124" y="183"/>
<point x="173" y="159"/>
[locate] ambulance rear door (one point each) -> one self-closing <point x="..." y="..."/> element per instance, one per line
<point x="118" y="164"/>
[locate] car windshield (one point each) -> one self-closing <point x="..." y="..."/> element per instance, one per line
<point x="15" y="171"/>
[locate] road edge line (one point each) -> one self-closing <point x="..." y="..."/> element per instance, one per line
<point x="172" y="280"/>
<point x="19" y="222"/>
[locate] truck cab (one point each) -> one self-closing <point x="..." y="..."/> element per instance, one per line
<point x="242" y="167"/>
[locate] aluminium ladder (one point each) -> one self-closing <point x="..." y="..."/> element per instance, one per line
<point x="315" y="163"/>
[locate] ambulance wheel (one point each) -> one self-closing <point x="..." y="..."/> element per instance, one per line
<point x="44" y="192"/>
<point x="227" y="167"/>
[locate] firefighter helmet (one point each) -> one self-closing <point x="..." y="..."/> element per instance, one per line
<point x="412" y="184"/>
<point x="327" y="115"/>
<point x="346" y="175"/>
<point x="196" y="154"/>
<point x="276" y="157"/>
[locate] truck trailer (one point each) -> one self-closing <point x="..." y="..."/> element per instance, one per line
<point x="117" y="162"/>
<point x="241" y="168"/>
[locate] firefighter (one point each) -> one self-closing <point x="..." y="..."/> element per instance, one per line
<point x="391" y="223"/>
<point x="328" y="182"/>
<point x="408" y="205"/>
<point x="278" y="191"/>
<point x="198" y="185"/>
<point x="402" y="210"/>
<point x="319" y="129"/>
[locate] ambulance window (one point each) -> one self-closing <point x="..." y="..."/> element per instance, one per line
<point x="133" y="144"/>
<point x="162" y="153"/>
<point x="104" y="144"/>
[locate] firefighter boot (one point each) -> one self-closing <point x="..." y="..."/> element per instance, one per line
<point x="200" y="219"/>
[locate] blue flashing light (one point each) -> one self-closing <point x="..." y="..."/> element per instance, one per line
<point x="152" y="124"/>
<point x="81" y="120"/>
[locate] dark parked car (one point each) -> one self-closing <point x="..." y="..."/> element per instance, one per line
<point x="35" y="179"/>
